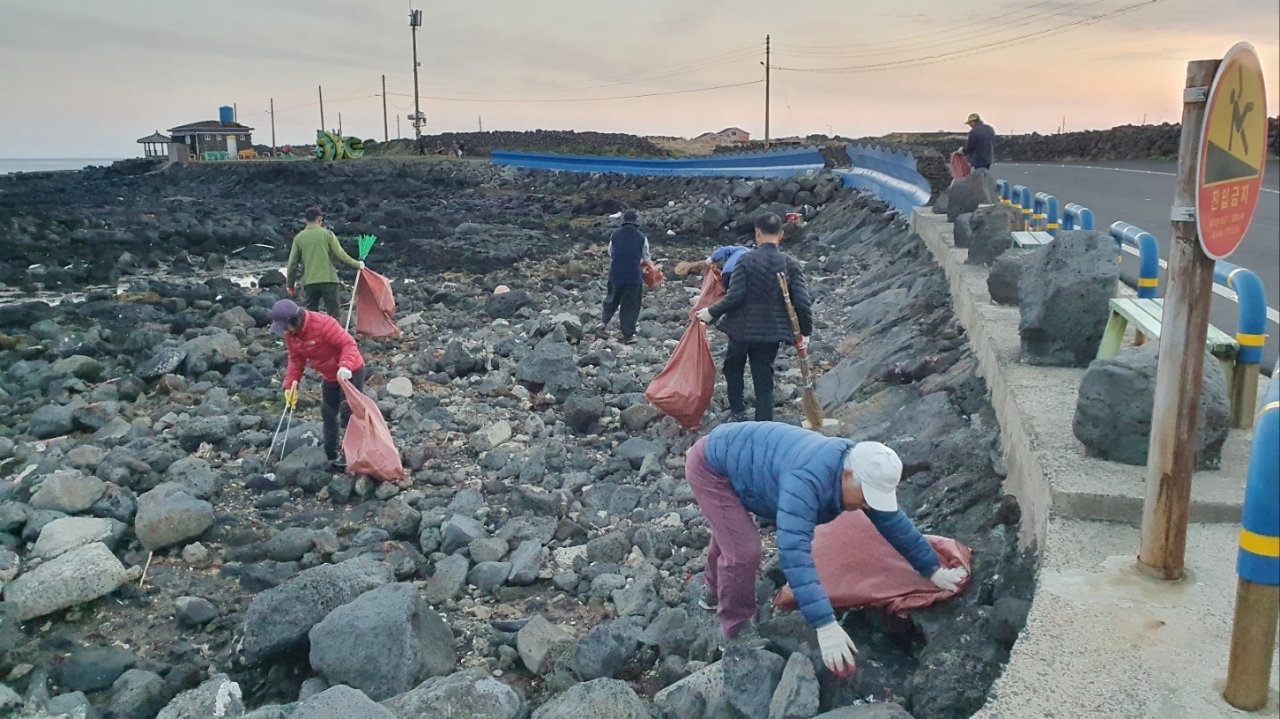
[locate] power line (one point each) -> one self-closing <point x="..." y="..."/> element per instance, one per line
<point x="1022" y="21"/>
<point x="817" y="50"/>
<point x="588" y="99"/>
<point x="977" y="50"/>
<point x="690" y="66"/>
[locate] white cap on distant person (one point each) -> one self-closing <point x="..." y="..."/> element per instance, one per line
<point x="877" y="469"/>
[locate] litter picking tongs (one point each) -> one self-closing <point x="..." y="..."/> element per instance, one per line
<point x="290" y="404"/>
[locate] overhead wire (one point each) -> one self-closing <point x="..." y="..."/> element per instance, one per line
<point x="690" y="66"/>
<point x="1022" y="22"/>
<point x="438" y="98"/>
<point x="832" y="50"/>
<point x="976" y="50"/>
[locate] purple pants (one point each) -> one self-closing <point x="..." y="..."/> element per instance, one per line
<point x="733" y="559"/>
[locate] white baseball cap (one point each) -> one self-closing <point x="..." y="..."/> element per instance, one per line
<point x="878" y="469"/>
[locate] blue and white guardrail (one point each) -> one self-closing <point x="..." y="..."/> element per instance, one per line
<point x="770" y="163"/>
<point x="888" y="174"/>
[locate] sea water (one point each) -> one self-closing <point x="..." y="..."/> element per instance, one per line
<point x="11" y="165"/>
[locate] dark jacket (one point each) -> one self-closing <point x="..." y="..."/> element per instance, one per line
<point x="791" y="476"/>
<point x="753" y="309"/>
<point x="979" y="149"/>
<point x="627" y="247"/>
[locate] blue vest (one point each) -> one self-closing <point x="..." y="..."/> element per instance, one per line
<point x="628" y="251"/>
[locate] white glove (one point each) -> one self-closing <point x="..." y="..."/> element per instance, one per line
<point x="837" y="648"/>
<point x="704" y="315"/>
<point x="948" y="580"/>
<point x="361" y="264"/>
<point x="344" y="373"/>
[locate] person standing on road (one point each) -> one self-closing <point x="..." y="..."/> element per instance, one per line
<point x="756" y="318"/>
<point x="628" y="247"/>
<point x="798" y="479"/>
<point x="317" y="340"/>
<point x="979" y="149"/>
<point x="316" y="248"/>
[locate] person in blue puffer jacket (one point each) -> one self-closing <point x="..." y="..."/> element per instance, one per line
<point x="726" y="258"/>
<point x="797" y="479"/>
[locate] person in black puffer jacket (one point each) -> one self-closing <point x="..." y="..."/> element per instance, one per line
<point x="756" y="319"/>
<point x="628" y="247"/>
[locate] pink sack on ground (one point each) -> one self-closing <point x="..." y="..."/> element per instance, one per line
<point x="959" y="167"/>
<point x="368" y="446"/>
<point x="858" y="568"/>
<point x="375" y="306"/>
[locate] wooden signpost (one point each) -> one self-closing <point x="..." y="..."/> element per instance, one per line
<point x="1220" y="159"/>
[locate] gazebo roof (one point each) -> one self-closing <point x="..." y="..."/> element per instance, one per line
<point x="156" y="138"/>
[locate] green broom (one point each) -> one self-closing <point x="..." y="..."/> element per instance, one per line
<point x="366" y="243"/>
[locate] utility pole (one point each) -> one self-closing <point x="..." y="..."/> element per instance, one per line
<point x="272" y="111"/>
<point x="480" y="122"/>
<point x="385" y="135"/>
<point x="768" y="65"/>
<point x="235" y="112"/>
<point x="397" y="127"/>
<point x="415" y="21"/>
<point x="321" y="90"/>
<point x="339" y="124"/>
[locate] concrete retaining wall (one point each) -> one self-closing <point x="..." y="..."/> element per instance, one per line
<point x="1049" y="472"/>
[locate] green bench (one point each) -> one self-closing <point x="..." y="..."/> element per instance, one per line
<point x="1145" y="316"/>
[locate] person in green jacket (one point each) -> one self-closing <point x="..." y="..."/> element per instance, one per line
<point x="316" y="248"/>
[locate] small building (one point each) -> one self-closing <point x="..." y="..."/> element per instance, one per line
<point x="155" y="145"/>
<point x="729" y="134"/>
<point x="225" y="139"/>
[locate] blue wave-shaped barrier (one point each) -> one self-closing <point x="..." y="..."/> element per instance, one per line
<point x="768" y="163"/>
<point x="888" y="174"/>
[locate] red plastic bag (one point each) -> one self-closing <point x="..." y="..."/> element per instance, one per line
<point x="375" y="305"/>
<point x="858" y="568"/>
<point x="368" y="446"/>
<point x="684" y="388"/>
<point x="652" y="275"/>
<point x="959" y="167"/>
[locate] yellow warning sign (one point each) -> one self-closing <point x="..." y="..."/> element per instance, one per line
<point x="1236" y="127"/>
<point x="1233" y="151"/>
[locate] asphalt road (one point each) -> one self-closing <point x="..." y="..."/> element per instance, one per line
<point x="1141" y="193"/>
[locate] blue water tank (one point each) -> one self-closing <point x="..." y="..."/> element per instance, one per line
<point x="226" y="115"/>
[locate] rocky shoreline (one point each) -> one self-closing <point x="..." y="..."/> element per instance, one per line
<point x="545" y="555"/>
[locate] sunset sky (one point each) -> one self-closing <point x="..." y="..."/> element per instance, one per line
<point x="87" y="79"/>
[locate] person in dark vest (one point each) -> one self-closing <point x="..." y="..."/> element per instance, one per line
<point x="628" y="247"/>
<point x="756" y="318"/>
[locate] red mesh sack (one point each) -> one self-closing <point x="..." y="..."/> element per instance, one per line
<point x="684" y="388"/>
<point x="375" y="306"/>
<point x="652" y="275"/>
<point x="712" y="291"/>
<point x="959" y="167"/>
<point x="368" y="446"/>
<point x="858" y="568"/>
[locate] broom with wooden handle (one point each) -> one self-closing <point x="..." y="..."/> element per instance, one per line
<point x="809" y="404"/>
